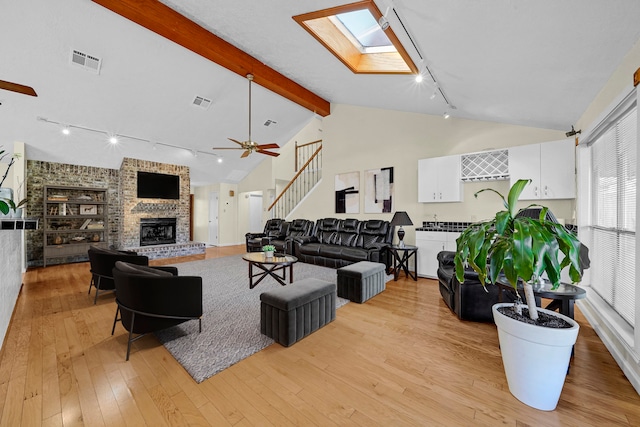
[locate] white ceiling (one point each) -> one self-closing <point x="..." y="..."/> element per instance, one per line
<point x="533" y="63"/>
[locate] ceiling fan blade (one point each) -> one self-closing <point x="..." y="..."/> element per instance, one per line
<point x="268" y="153"/>
<point x="15" y="87"/>
<point x="263" y="146"/>
<point x="236" y="141"/>
<point x="245" y="154"/>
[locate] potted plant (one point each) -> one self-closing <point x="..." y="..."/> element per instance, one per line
<point x="6" y="194"/>
<point x="535" y="356"/>
<point x="268" y="250"/>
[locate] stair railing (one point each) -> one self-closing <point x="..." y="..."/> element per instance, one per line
<point x="303" y="181"/>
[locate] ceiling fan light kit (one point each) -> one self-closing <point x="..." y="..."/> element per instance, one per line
<point x="249" y="146"/>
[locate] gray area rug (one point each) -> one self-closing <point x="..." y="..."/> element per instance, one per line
<point x="231" y="320"/>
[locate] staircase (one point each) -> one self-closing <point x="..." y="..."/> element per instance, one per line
<point x="305" y="179"/>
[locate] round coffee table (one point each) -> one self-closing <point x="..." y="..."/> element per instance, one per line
<point x="275" y="267"/>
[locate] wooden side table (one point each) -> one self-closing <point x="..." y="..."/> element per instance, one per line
<point x="401" y="261"/>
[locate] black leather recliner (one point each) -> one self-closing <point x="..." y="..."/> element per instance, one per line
<point x="297" y="228"/>
<point x="469" y="300"/>
<point x="335" y="243"/>
<point x="274" y="229"/>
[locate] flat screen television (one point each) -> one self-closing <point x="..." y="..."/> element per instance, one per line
<point x="158" y="186"/>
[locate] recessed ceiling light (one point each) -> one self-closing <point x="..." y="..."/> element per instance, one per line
<point x="113" y="139"/>
<point x="418" y="78"/>
<point x="219" y="159"/>
<point x="66" y="130"/>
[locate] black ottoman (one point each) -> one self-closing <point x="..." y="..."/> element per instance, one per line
<point x="361" y="281"/>
<point x="292" y="312"/>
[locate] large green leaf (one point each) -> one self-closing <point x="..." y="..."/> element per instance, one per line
<point x="514" y="195"/>
<point x="522" y="253"/>
<point x="4" y="207"/>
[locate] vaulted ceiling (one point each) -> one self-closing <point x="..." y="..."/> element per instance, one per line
<point x="533" y="63"/>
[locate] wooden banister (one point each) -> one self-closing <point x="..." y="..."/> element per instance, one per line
<point x="313" y="156"/>
<point x="300" y="146"/>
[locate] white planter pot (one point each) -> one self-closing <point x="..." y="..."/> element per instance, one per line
<point x="535" y="358"/>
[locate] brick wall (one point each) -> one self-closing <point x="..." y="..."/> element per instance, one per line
<point x="41" y="173"/>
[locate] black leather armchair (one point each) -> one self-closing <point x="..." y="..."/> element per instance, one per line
<point x="274" y="229"/>
<point x="102" y="262"/>
<point x="469" y="300"/>
<point x="154" y="298"/>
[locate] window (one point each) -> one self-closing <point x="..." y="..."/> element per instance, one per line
<point x="612" y="224"/>
<point x="352" y="33"/>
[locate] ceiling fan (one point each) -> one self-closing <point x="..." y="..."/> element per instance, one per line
<point x="250" y="146"/>
<point x="15" y="87"/>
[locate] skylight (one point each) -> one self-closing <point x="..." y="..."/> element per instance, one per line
<point x="352" y="33"/>
<point x="362" y="26"/>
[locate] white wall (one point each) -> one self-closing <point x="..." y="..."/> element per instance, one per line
<point x="358" y="139"/>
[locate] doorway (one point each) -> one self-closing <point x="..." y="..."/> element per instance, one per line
<point x="255" y="213"/>
<point x="213" y="218"/>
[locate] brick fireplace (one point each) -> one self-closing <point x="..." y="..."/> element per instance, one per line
<point x="136" y="212"/>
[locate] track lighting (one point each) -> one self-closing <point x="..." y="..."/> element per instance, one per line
<point x="383" y="21"/>
<point x="435" y="92"/>
<point x="114" y="138"/>
<point x="446" y="115"/>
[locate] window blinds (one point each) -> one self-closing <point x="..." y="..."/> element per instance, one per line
<point x="613" y="214"/>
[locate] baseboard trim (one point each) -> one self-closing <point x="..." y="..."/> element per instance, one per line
<point x="624" y="355"/>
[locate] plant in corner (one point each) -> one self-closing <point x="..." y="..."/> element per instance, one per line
<point x="522" y="250"/>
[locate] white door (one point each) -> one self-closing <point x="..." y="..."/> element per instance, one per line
<point x="255" y="213"/>
<point x="213" y="218"/>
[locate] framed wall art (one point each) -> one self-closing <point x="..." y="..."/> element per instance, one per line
<point x="348" y="192"/>
<point x="378" y="190"/>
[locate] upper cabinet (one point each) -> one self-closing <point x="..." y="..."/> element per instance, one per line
<point x="439" y="180"/>
<point x="549" y="165"/>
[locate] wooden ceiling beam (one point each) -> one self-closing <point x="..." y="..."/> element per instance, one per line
<point x="166" y="22"/>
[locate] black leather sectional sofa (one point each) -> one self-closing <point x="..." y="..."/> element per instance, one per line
<point x="338" y="242"/>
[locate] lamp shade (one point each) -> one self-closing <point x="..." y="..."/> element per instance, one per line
<point x="401" y="218"/>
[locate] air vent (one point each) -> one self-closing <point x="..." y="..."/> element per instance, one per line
<point x="201" y="102"/>
<point x="86" y="61"/>
<point x="270" y="122"/>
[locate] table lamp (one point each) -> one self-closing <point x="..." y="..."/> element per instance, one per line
<point x="401" y="218"/>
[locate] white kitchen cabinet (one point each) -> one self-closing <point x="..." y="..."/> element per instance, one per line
<point x="550" y="166"/>
<point x="439" y="180"/>
<point x="429" y="244"/>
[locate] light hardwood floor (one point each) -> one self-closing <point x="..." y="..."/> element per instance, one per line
<point x="402" y="358"/>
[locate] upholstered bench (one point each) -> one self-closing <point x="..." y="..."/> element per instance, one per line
<point x="361" y="281"/>
<point x="292" y="312"/>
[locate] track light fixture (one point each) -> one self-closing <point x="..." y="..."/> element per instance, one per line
<point x="383" y="21"/>
<point x="446" y="115"/>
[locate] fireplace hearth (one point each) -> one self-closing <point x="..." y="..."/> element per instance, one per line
<point x="157" y="231"/>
